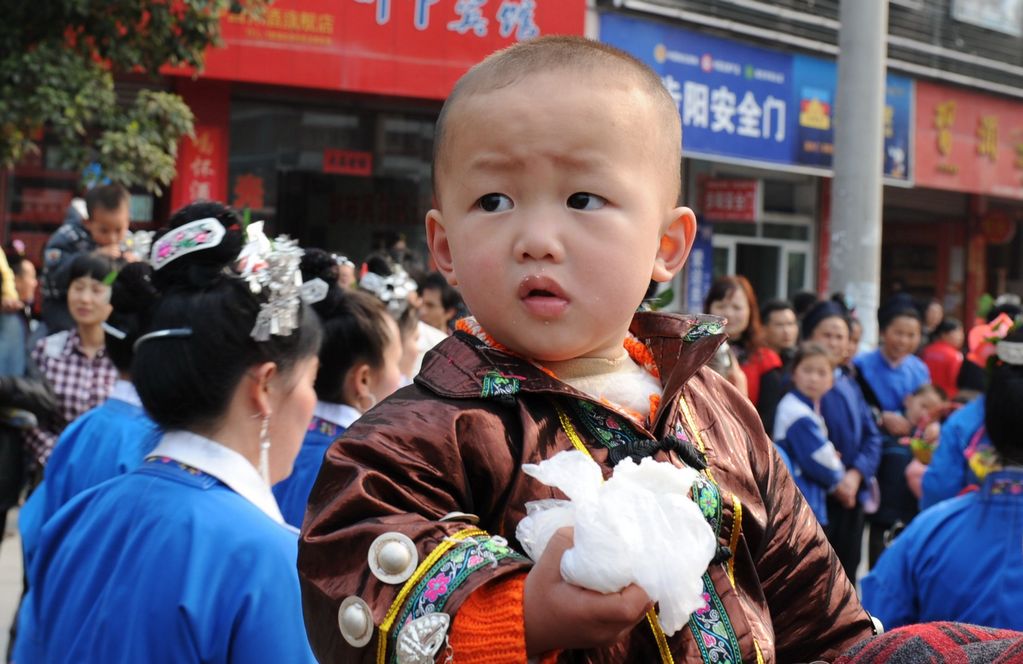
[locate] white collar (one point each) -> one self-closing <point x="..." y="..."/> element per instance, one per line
<point x="340" y="414"/>
<point x="125" y="391"/>
<point x="221" y="462"/>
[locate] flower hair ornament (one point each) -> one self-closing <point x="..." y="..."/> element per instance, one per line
<point x="183" y="240"/>
<point x="393" y="291"/>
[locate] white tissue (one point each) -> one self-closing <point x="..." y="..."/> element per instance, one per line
<point x="638" y="527"/>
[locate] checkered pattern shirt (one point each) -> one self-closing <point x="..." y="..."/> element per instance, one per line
<point x="81" y="383"/>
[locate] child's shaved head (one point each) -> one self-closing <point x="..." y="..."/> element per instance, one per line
<point x="559" y="53"/>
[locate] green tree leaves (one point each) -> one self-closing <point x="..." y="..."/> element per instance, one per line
<point x="58" y="60"/>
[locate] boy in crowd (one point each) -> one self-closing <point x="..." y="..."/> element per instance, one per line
<point x="104" y="229"/>
<point x="556" y="173"/>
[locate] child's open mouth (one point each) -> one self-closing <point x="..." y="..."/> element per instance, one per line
<point x="543" y="297"/>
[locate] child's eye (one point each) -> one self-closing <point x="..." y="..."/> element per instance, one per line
<point x="582" y="200"/>
<point x="494" y="203"/>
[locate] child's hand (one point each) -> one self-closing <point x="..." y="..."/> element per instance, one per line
<point x="561" y="616"/>
<point x="932" y="432"/>
<point x="915" y="477"/>
<point x="111" y="250"/>
<point x="895" y="424"/>
<point x="11" y="305"/>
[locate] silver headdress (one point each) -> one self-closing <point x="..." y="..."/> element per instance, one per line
<point x="393" y="291"/>
<point x="275" y="267"/>
<point x="1010" y="352"/>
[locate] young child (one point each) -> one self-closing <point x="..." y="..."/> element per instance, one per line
<point x="556" y="172"/>
<point x="799" y="428"/>
<point x="75" y="361"/>
<point x="944" y="356"/>
<point x="102" y="230"/>
<point x="358" y="367"/>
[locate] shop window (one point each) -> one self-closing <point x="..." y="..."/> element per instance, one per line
<point x="785" y="231"/>
<point x="340" y="178"/>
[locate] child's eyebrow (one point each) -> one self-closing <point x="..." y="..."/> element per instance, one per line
<point x="579" y="161"/>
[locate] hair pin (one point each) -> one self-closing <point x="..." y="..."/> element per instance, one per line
<point x="169" y="333"/>
<point x="189" y="238"/>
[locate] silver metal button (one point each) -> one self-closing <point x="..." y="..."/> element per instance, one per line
<point x="393" y="557"/>
<point x="355" y="620"/>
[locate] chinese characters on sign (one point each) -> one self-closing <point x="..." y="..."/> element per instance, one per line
<point x="414" y="48"/>
<point x="348" y="162"/>
<point x="750" y="103"/>
<point x="202" y="173"/>
<point x="731" y="200"/>
<point x="968" y="141"/>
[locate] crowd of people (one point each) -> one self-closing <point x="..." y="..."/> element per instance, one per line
<point x="237" y="449"/>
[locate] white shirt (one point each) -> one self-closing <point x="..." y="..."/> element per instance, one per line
<point x="125" y="391"/>
<point x="221" y="462"/>
<point x="340" y="414"/>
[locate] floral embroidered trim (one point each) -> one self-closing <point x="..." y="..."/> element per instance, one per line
<point x="328" y="429"/>
<point x="712" y="629"/>
<point x="702" y="330"/>
<point x="610" y="429"/>
<point x="451" y="571"/>
<point x="399" y="601"/>
<point x="497" y="384"/>
<point x="1006" y="486"/>
<point x="174" y="462"/>
<point x="191" y="237"/>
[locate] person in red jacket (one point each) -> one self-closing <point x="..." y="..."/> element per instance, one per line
<point x="732" y="297"/>
<point x="943" y="356"/>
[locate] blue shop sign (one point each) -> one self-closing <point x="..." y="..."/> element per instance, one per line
<point x="734" y="99"/>
<point x="814" y="82"/>
<point x="700" y="266"/>
<point x="747" y="103"/>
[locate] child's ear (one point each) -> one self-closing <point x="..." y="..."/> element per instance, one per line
<point x="437" y="240"/>
<point x="676" y="241"/>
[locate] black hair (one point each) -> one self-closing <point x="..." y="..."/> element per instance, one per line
<point x="107" y="197"/>
<point x="802" y="301"/>
<point x="186" y="382"/>
<point x="1013" y="311"/>
<point x="819" y="313"/>
<point x="810" y="350"/>
<point x="901" y="305"/>
<point x="1002" y="415"/>
<point x="131" y="297"/>
<point x="449" y="297"/>
<point x="772" y="306"/>
<point x="93" y="265"/>
<point x="379" y="264"/>
<point x="947" y="325"/>
<point x="930" y="388"/>
<point x="354" y="327"/>
<point x="16" y="260"/>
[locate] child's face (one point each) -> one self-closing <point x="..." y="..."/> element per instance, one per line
<point x="922" y="408"/>
<point x="901" y="338"/>
<point x="855" y="332"/>
<point x="956" y="337"/>
<point x="88" y="300"/>
<point x="555" y="210"/>
<point x="735" y="309"/>
<point x="813" y="377"/>
<point x="109" y="227"/>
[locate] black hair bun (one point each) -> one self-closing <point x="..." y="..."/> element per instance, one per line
<point x="318" y="264"/>
<point x="133" y="291"/>
<point x="202" y="268"/>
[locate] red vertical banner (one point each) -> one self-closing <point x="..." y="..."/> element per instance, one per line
<point x="202" y="160"/>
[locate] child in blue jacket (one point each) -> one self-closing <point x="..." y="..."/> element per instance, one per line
<point x="800" y="432"/>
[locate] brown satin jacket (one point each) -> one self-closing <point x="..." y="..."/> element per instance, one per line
<point x="440" y="462"/>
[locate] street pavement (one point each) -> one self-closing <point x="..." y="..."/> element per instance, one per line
<point x="10" y="577"/>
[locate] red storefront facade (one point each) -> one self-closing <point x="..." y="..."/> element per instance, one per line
<point x="318" y="116"/>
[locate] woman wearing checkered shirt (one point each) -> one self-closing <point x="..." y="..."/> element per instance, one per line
<point x="75" y="361"/>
